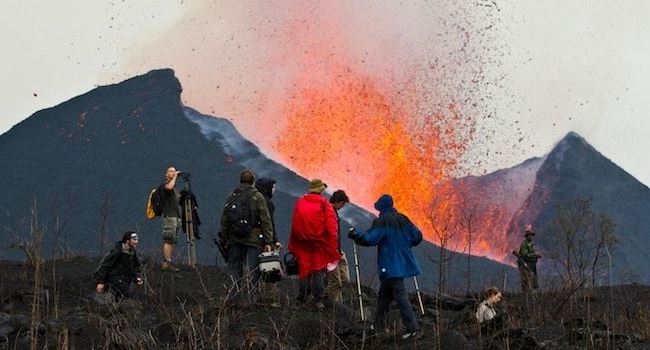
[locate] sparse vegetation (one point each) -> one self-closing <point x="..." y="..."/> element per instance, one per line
<point x="190" y="310"/>
<point x="202" y="308"/>
<point x="583" y="237"/>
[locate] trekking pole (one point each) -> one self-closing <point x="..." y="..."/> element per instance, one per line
<point x="356" y="267"/>
<point x="417" y="290"/>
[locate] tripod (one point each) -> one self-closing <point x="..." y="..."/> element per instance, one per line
<point x="188" y="223"/>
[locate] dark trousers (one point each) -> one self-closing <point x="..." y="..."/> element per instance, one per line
<point x="313" y="285"/>
<point x="493" y="326"/>
<point x="242" y="266"/>
<point x="528" y="275"/>
<point x="119" y="285"/>
<point x="393" y="289"/>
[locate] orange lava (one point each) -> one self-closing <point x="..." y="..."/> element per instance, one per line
<point x="362" y="136"/>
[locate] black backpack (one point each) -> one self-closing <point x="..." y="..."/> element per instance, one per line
<point x="238" y="213"/>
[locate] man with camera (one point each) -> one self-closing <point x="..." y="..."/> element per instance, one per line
<point x="171" y="217"/>
<point x="527" y="261"/>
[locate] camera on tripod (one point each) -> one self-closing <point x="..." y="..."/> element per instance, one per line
<point x="184" y="176"/>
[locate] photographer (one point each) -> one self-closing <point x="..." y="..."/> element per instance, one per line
<point x="120" y="267"/>
<point x="171" y="217"/>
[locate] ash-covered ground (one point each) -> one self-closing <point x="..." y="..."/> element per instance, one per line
<point x="189" y="310"/>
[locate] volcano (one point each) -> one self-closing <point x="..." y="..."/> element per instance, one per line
<point x="528" y="193"/>
<point x="87" y="165"/>
<point x="575" y="169"/>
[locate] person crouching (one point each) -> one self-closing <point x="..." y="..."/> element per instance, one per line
<point x="487" y="316"/>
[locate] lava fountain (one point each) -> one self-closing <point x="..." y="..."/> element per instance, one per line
<point x="380" y="97"/>
<point x="369" y="139"/>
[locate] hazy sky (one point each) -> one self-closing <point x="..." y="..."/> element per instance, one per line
<point x="570" y="65"/>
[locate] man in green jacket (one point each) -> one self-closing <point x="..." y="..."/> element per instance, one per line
<point x="247" y="230"/>
<point x="527" y="261"/>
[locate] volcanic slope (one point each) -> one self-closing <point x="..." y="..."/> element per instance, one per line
<point x="109" y="147"/>
<point x="575" y="169"/>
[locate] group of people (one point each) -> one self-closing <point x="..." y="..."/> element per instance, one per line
<point x="248" y="229"/>
<point x="315" y="241"/>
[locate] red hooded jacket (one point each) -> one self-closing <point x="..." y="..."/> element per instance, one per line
<point x="314" y="234"/>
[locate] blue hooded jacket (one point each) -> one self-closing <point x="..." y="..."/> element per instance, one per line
<point x="394" y="234"/>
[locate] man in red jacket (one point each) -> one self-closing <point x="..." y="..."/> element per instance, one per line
<point x="314" y="241"/>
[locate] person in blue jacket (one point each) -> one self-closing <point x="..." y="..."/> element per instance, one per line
<point x="394" y="235"/>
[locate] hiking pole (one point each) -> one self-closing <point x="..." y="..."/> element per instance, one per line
<point x="356" y="267"/>
<point x="417" y="290"/>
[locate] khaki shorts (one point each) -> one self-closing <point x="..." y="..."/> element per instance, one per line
<point x="170" y="227"/>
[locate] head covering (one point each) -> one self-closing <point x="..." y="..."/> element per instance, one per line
<point x="384" y="204"/>
<point x="317" y="186"/>
<point x="129" y="235"/>
<point x="529" y="230"/>
<point x="265" y="185"/>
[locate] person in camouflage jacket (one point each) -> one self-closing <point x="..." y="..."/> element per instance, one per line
<point x="527" y="261"/>
<point x="243" y="251"/>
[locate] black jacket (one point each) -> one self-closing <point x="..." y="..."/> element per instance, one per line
<point x="265" y="186"/>
<point x="119" y="261"/>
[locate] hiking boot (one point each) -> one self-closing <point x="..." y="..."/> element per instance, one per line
<point x="411" y="335"/>
<point x="167" y="266"/>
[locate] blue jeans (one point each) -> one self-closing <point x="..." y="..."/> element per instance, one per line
<point x="242" y="266"/>
<point x="393" y="289"/>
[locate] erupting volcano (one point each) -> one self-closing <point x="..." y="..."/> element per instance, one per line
<point x="364" y="137"/>
<point x="381" y="99"/>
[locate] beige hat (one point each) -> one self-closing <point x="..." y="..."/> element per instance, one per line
<point x="317" y="186"/>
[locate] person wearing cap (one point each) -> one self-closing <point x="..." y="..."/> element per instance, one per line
<point x="243" y="250"/>
<point x="313" y="240"/>
<point x="527" y="261"/>
<point x="394" y="234"/>
<point x="120" y="267"/>
<point x="338" y="277"/>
